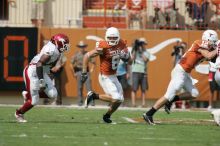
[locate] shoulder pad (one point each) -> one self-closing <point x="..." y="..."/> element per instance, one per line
<point x="48" y="50"/>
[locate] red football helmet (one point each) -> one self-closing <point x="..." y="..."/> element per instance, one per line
<point x="61" y="41"/>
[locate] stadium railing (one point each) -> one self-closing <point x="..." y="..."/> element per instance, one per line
<point x="93" y="14"/>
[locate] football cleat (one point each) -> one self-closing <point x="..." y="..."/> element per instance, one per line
<point x="106" y="118"/>
<point x="20" y="117"/>
<point x="93" y="103"/>
<point x="24" y="94"/>
<point x="90" y="97"/>
<point x="167" y="107"/>
<point x="216" y="116"/>
<point x="148" y="119"/>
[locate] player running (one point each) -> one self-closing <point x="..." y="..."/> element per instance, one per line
<point x="180" y="76"/>
<point x="110" y="51"/>
<point x="36" y="74"/>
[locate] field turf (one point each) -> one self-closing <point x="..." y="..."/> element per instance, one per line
<point x="50" y="126"/>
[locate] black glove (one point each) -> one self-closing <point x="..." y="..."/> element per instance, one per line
<point x="84" y="77"/>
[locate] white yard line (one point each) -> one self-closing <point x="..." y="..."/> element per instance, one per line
<point x="161" y="139"/>
<point x="47" y="136"/>
<point x="74" y="106"/>
<point x="78" y="107"/>
<point x="129" y="120"/>
<point x="21" y="135"/>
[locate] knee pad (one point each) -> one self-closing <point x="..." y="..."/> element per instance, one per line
<point x="195" y="93"/>
<point x="216" y="116"/>
<point x="118" y="101"/>
<point x="34" y="84"/>
<point x="35" y="99"/>
<point x="121" y="100"/>
<point x="52" y="93"/>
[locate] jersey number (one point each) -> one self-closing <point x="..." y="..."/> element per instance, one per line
<point x="115" y="62"/>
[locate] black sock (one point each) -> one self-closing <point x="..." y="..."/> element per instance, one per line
<point x="107" y="115"/>
<point x="96" y="96"/>
<point x="176" y="98"/>
<point x="151" y="112"/>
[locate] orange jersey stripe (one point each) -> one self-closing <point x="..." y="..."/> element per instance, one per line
<point x="192" y="57"/>
<point x="110" y="56"/>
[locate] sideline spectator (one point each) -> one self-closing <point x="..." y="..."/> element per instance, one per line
<point x="76" y="66"/>
<point x="57" y="79"/>
<point x="216" y="17"/>
<point x="119" y="10"/>
<point x="140" y="57"/>
<point x="199" y="9"/>
<point x="164" y="10"/>
<point x="37" y="13"/>
<point x="123" y="76"/>
<point x="136" y="9"/>
<point x="178" y="51"/>
<point x="120" y="5"/>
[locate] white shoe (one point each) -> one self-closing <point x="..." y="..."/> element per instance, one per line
<point x="209" y="108"/>
<point x="216" y="116"/>
<point x="20" y="118"/>
<point x="195" y="20"/>
<point x="183" y="106"/>
<point x="24" y="94"/>
<point x="200" y="20"/>
<point x="54" y="103"/>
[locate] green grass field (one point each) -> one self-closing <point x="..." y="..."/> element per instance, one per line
<point x="84" y="127"/>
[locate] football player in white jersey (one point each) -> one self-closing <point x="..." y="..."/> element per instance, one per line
<point x="36" y="74"/>
<point x="216" y="67"/>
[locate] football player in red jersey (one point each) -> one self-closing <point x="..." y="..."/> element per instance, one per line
<point x="36" y="74"/>
<point x="110" y="51"/>
<point x="181" y="78"/>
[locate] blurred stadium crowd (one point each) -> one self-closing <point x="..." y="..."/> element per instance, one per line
<point x="133" y="14"/>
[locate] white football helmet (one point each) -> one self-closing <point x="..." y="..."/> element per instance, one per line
<point x="112" y="36"/>
<point x="211" y="36"/>
<point x="216" y="116"/>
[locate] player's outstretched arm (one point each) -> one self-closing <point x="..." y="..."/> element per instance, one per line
<point x="86" y="59"/>
<point x="39" y="68"/>
<point x="207" y="54"/>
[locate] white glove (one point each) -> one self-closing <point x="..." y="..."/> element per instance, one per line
<point x="194" y="81"/>
<point x="42" y="83"/>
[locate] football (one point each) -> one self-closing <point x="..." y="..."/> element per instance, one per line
<point x="124" y="54"/>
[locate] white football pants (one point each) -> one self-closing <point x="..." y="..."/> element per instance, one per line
<point x="111" y="86"/>
<point x="32" y="84"/>
<point x="180" y="79"/>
